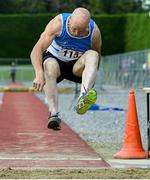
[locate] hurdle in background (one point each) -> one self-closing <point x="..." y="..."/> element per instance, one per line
<point x="31" y="89"/>
<point x="147" y="91"/>
<point x="17" y="89"/>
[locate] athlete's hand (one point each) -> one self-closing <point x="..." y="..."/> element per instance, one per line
<point x="38" y="82"/>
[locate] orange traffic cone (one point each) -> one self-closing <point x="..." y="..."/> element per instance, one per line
<point x="132" y="147"/>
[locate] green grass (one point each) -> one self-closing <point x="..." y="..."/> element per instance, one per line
<point x="23" y="73"/>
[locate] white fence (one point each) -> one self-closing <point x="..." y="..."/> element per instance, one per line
<point x="125" y="70"/>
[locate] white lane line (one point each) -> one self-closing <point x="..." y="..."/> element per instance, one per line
<point x="52" y="158"/>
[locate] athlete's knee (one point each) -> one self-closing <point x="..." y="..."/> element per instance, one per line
<point x="92" y="58"/>
<point x="51" y="68"/>
<point x="92" y="54"/>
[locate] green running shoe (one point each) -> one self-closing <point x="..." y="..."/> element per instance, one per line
<point x="86" y="101"/>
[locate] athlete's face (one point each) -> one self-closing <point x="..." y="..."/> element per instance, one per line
<point x="77" y="28"/>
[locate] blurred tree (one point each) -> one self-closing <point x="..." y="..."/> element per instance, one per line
<point x="138" y="6"/>
<point x="107" y="5"/>
<point x="53" y="6"/>
<point x="6" y="6"/>
<point x="36" y="6"/>
<point x="127" y="6"/>
<point x="28" y="6"/>
<point x="121" y="6"/>
<point x="95" y="6"/>
<point x="67" y="5"/>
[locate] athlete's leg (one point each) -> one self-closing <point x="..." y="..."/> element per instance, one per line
<point x="51" y="72"/>
<point x="86" y="67"/>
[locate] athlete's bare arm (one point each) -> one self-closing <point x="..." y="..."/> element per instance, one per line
<point x="97" y="41"/>
<point x="52" y="30"/>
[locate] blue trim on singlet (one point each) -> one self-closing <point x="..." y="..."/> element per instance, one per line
<point x="54" y="48"/>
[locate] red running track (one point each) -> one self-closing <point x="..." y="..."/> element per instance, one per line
<point x="26" y="142"/>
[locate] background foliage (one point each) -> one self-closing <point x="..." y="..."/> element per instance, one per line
<point x="22" y="21"/>
<point x="45" y="6"/>
<point x="120" y="33"/>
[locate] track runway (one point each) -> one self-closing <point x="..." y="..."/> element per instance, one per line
<point x="25" y="141"/>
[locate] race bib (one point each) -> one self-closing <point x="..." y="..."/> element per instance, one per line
<point x="71" y="54"/>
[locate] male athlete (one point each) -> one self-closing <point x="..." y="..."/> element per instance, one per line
<point x="69" y="48"/>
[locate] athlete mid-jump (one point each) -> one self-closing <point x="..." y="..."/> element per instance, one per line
<point x="69" y="48"/>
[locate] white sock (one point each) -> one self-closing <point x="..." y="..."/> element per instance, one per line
<point x="81" y="93"/>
